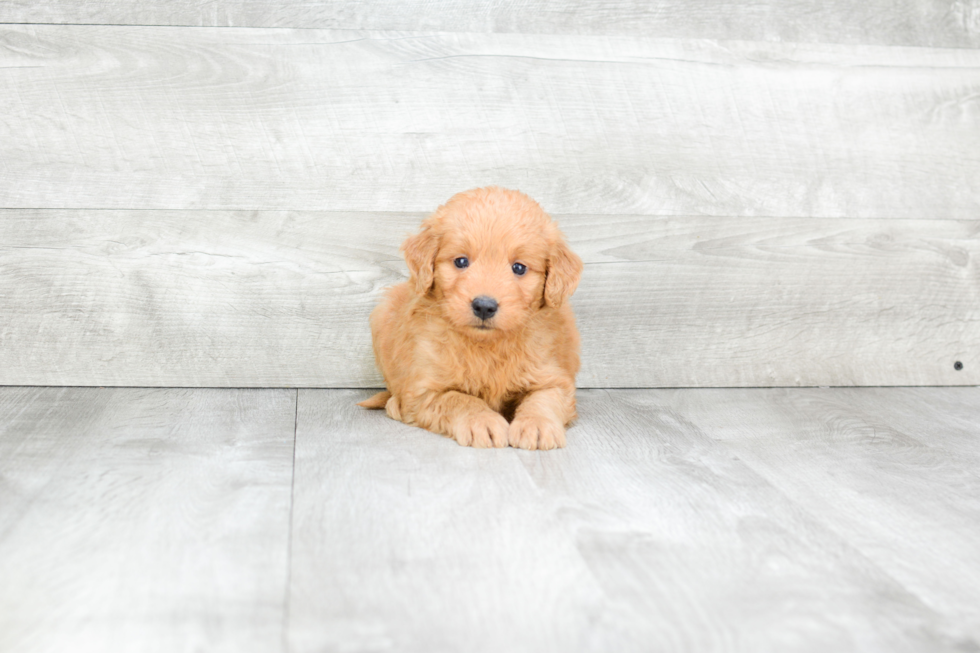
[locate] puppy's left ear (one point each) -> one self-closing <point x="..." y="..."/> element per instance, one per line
<point x="564" y="271"/>
<point x="420" y="254"/>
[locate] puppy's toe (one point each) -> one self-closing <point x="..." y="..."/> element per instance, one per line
<point x="463" y="435"/>
<point x="551" y="436"/>
<point x="483" y="430"/>
<point x="536" y="433"/>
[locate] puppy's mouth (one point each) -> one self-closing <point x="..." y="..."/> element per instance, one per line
<point x="485" y="326"/>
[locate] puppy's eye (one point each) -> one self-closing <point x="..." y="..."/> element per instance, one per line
<point x="519" y="269"/>
<point x="461" y="262"/>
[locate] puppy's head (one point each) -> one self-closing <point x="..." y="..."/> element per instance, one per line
<point x="491" y="258"/>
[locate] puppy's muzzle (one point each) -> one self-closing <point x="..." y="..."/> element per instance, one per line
<point x="484" y="307"/>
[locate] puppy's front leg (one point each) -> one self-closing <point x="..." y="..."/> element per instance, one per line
<point x="467" y="419"/>
<point x="540" y="419"/>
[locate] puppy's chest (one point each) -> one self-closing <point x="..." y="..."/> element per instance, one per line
<point x="493" y="374"/>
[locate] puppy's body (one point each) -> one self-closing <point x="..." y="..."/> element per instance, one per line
<point x="465" y="348"/>
<point x="411" y="338"/>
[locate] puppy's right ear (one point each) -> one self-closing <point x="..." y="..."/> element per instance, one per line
<point x="420" y="254"/>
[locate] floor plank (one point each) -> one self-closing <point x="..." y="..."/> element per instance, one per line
<point x="937" y="23"/>
<point x="144" y="520"/>
<point x="229" y="118"/>
<point x="894" y="472"/>
<point x="678" y="520"/>
<point x="651" y="531"/>
<point x="282" y="298"/>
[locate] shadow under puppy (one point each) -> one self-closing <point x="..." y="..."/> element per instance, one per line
<point x="482" y="333"/>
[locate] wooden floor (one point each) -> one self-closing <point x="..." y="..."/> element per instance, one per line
<point x="676" y="520"/>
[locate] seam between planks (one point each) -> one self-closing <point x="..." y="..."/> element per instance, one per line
<point x="422" y="214"/>
<point x="289" y="535"/>
<point x="415" y="32"/>
<point x="581" y="387"/>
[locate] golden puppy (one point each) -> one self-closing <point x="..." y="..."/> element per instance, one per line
<point x="482" y="333"/>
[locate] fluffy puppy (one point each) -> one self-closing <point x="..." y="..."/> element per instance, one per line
<point x="482" y="333"/>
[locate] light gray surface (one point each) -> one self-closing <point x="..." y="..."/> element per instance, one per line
<point x="144" y="520"/>
<point x="947" y="23"/>
<point x="211" y="118"/>
<point x="208" y="298"/>
<point x="872" y="152"/>
<point x="656" y="529"/>
<point x="875" y="444"/>
<point x="676" y="520"/>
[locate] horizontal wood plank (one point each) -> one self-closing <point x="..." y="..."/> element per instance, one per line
<point x="209" y="118"/>
<point x="212" y="298"/>
<point x="144" y="520"/>
<point x="646" y="533"/>
<point x="937" y="23"/>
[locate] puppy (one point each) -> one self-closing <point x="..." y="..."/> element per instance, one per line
<point x="482" y="333"/>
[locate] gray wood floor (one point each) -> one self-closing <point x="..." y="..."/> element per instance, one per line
<point x="676" y="520"/>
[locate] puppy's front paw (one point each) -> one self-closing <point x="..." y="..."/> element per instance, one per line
<point x="484" y="429"/>
<point x="536" y="433"/>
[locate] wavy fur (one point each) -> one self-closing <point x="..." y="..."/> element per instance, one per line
<point x="508" y="380"/>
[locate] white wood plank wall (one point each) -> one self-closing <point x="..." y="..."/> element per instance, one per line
<point x="937" y="23"/>
<point x="763" y="195"/>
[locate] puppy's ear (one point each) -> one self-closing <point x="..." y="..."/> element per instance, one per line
<point x="564" y="270"/>
<point x="420" y="254"/>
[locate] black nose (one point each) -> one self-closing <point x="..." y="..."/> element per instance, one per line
<point x="484" y="307"/>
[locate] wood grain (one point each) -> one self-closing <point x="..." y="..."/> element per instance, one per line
<point x="144" y="520"/>
<point x="209" y="118"/>
<point x="759" y="302"/>
<point x="189" y="298"/>
<point x="901" y="465"/>
<point x="677" y="520"/>
<point x="646" y="533"/>
<point x="938" y="23"/>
